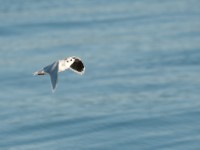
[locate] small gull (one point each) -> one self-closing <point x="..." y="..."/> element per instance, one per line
<point x="74" y="63"/>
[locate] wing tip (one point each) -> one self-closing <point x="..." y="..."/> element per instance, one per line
<point x="53" y="90"/>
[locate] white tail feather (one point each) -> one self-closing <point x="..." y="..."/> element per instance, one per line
<point x="41" y="72"/>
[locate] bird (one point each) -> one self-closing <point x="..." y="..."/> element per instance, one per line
<point x="73" y="63"/>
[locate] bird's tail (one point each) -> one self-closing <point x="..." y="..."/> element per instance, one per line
<point x="40" y="72"/>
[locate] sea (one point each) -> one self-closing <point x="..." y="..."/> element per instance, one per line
<point x="140" y="89"/>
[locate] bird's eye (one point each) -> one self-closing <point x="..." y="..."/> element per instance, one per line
<point x="67" y="61"/>
<point x="71" y="60"/>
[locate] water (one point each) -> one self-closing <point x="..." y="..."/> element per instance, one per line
<point x="141" y="85"/>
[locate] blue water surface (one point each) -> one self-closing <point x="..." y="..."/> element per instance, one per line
<point x="140" y="90"/>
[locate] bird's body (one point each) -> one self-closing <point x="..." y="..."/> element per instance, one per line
<point x="73" y="63"/>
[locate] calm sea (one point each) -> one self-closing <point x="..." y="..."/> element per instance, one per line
<point x="141" y="87"/>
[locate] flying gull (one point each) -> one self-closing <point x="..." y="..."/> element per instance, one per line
<point x="73" y="63"/>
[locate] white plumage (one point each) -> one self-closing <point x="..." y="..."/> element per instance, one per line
<point x="74" y="63"/>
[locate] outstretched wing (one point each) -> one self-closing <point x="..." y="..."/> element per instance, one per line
<point x="77" y="66"/>
<point x="52" y="70"/>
